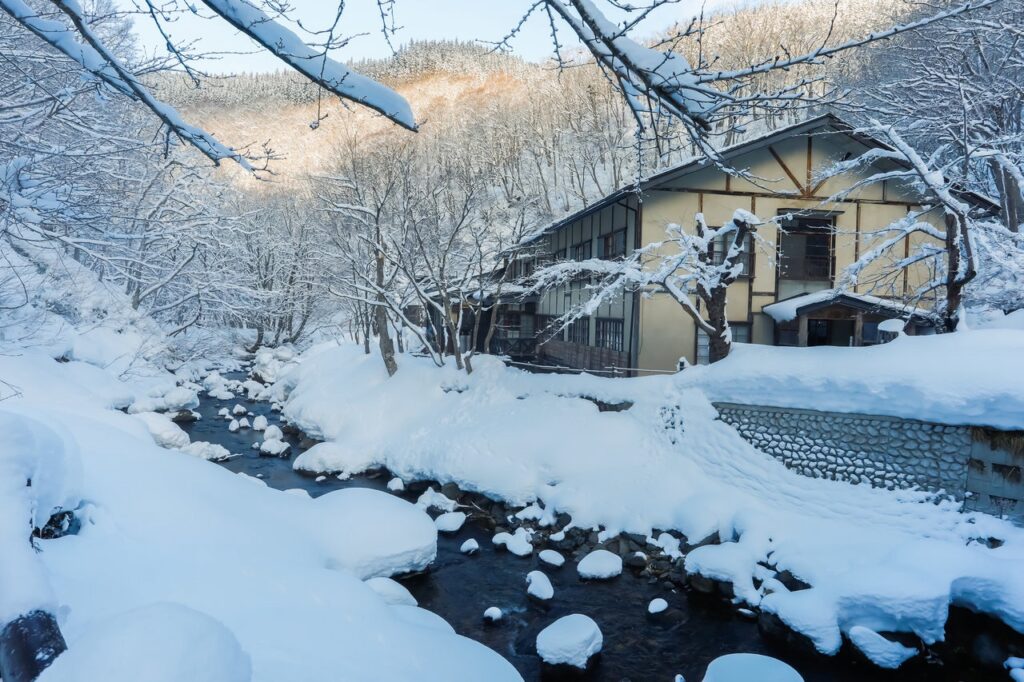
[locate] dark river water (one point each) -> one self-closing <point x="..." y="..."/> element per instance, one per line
<point x="637" y="646"/>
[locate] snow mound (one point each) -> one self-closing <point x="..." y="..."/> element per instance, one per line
<point x="274" y="447"/>
<point x="395" y="485"/>
<point x="570" y="640"/>
<point x="551" y="557"/>
<point x="470" y="546"/>
<point x="600" y="565"/>
<point x="326" y="457"/>
<point x="518" y="543"/>
<point x="750" y="668"/>
<point x="208" y="451"/>
<point x="259" y="423"/>
<point x="539" y="586"/>
<point x="165" y="433"/>
<point x="371" y="533"/>
<point x="879" y="650"/>
<point x="450" y="522"/>
<point x="177" y="399"/>
<point x="492" y="614"/>
<point x="158" y="643"/>
<point x="657" y="605"/>
<point x="431" y="499"/>
<point x="391" y="591"/>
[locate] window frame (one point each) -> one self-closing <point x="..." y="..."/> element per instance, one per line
<point x="602" y="334"/>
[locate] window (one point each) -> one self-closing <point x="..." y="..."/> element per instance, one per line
<point x="720" y="245"/>
<point x="579" y="331"/>
<point x="580" y="251"/>
<point x="740" y="334"/>
<point x="545" y="327"/>
<point x="610" y="333"/>
<point x="806" y="248"/>
<point x="613" y="245"/>
<point x="509" y="322"/>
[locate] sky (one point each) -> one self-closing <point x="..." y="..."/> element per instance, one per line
<point x="484" y="20"/>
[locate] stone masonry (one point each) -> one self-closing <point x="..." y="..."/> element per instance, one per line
<point x="886" y="452"/>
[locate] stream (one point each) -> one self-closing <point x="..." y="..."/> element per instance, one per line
<point x="637" y="646"/>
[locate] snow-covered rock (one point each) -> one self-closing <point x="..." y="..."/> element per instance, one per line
<point x="243" y="423"/>
<point x="238" y="409"/>
<point x="750" y="668"/>
<point x="165" y="432"/>
<point x="158" y="643"/>
<point x="518" y="543"/>
<point x="391" y="591"/>
<point x="431" y="499"/>
<point x="600" y="565"/>
<point x="207" y="451"/>
<point x="551" y="557"/>
<point x="259" y="423"/>
<point x="657" y="605"/>
<point x="450" y="522"/>
<point x="175" y="400"/>
<point x="396" y="485"/>
<point x="470" y="546"/>
<point x="492" y="614"/>
<point x="273" y="433"/>
<point x="274" y="447"/>
<point x="223" y="412"/>
<point x="570" y="640"/>
<point x="882" y="652"/>
<point x="539" y="586"/>
<point x="234" y="425"/>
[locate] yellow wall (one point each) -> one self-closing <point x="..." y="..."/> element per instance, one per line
<point x="666" y="333"/>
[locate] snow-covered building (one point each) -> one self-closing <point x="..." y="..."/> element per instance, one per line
<point x="785" y="298"/>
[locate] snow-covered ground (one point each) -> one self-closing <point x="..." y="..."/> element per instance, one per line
<point x="877" y="560"/>
<point x="182" y="569"/>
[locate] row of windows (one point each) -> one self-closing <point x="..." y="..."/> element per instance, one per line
<point x="609" y="247"/>
<point x="610" y="331"/>
<point x="740" y="334"/>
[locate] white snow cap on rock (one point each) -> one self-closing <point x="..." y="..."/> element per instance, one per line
<point x="882" y="652"/>
<point x="539" y="586"/>
<point x="431" y="499"/>
<point x="600" y="565"/>
<point x="274" y="447"/>
<point x="238" y="409"/>
<point x="259" y="423"/>
<point x="570" y="640"/>
<point x="450" y="522"/>
<point x="551" y="557"/>
<point x="657" y="605"/>
<point x="165" y="432"/>
<point x="396" y="485"/>
<point x="273" y="433"/>
<point x="493" y="614"/>
<point x="158" y="643"/>
<point x="233" y="425"/>
<point x="243" y="423"/>
<point x="750" y="668"/>
<point x="470" y="546"/>
<point x="517" y="543"/>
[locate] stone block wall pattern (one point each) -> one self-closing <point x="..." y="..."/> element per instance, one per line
<point x="886" y="452"/>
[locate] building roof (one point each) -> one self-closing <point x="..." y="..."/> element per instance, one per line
<point x="803" y="304"/>
<point x="827" y="120"/>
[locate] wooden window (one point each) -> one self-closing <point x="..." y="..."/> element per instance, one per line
<point x="610" y="333"/>
<point x="613" y="245"/>
<point x="718" y="251"/>
<point x="580" y="251"/>
<point x="579" y="331"/>
<point x="807" y="248"/>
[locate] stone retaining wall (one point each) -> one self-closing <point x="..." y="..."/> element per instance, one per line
<point x="886" y="452"/>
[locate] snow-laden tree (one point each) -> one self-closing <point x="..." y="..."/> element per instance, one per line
<point x="695" y="266"/>
<point x="949" y="102"/>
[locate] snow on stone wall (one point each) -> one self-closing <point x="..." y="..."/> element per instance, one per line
<point x="886" y="452"/>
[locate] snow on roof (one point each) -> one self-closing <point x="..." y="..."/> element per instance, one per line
<point x="788" y="309"/>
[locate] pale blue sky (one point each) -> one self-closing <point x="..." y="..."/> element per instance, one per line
<point x="487" y="20"/>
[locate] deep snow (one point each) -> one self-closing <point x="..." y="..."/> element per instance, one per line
<point x="886" y="561"/>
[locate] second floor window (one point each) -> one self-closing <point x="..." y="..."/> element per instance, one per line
<point x="580" y="251"/>
<point x="806" y="248"/>
<point x="613" y="245"/>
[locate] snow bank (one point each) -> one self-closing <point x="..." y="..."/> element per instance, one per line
<point x="969" y="377"/>
<point x="158" y="643"/>
<point x="570" y="640"/>
<point x="282" y="572"/>
<point x="886" y="561"/>
<point x="750" y="668"/>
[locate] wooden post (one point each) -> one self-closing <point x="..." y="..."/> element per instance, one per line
<point x="858" y="329"/>
<point x="802" y="333"/>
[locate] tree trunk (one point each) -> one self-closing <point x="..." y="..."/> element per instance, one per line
<point x="960" y="269"/>
<point x="258" y="342"/>
<point x="1011" y="195"/>
<point x="719" y="343"/>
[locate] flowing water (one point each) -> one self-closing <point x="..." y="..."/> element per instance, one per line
<point x="637" y="646"/>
